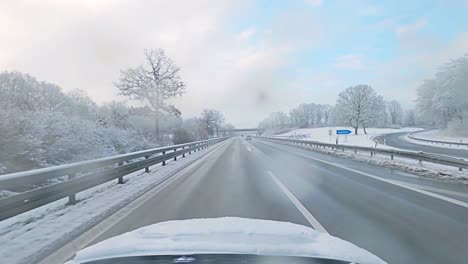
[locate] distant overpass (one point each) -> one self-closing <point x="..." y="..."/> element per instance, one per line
<point x="258" y="130"/>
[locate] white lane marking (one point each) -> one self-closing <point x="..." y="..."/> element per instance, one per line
<point x="249" y="149"/>
<point x="435" y="195"/>
<point x="433" y="189"/>
<point x="308" y="216"/>
<point x="67" y="251"/>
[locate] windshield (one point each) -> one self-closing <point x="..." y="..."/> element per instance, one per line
<point x="223" y="121"/>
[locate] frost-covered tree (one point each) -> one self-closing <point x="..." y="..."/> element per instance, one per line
<point x="295" y="116"/>
<point x="196" y="127"/>
<point x="116" y="114"/>
<point x="328" y="114"/>
<point x="275" y="120"/>
<point x="80" y="104"/>
<point x="356" y="106"/>
<point x="395" y="111"/>
<point x="281" y="119"/>
<point x="410" y="118"/>
<point x="228" y="129"/>
<point x="443" y="98"/>
<point x="154" y="82"/>
<point x="213" y="120"/>
<point x="23" y="91"/>
<point x="303" y="116"/>
<point x="42" y="126"/>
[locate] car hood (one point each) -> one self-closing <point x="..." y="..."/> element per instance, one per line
<point x="226" y="235"/>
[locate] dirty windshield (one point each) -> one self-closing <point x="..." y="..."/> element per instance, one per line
<point x="250" y="131"/>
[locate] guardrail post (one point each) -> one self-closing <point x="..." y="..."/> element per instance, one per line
<point x="164" y="161"/>
<point x="147" y="168"/>
<point x="460" y="169"/>
<point x="183" y="154"/>
<point x="175" y="157"/>
<point x="71" y="197"/>
<point x="120" y="181"/>
<point x="391" y="157"/>
<point x="355" y="151"/>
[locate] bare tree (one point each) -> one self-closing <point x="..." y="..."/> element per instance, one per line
<point x="154" y="82"/>
<point x="356" y="104"/>
<point x="396" y="112"/>
<point x="213" y="120"/>
<point x="228" y="129"/>
<point x="410" y="118"/>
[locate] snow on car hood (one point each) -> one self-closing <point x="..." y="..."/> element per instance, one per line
<point x="226" y="235"/>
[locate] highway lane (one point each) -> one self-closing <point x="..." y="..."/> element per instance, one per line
<point x="394" y="140"/>
<point x="240" y="179"/>
<point x="229" y="183"/>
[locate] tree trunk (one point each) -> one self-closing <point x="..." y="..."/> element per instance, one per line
<point x="364" y="127"/>
<point x="156" y="124"/>
<point x="356" y="130"/>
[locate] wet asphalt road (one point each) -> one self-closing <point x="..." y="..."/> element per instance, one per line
<point x="397" y="224"/>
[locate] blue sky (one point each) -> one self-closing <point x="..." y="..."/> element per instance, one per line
<point x="246" y="58"/>
<point x="356" y="41"/>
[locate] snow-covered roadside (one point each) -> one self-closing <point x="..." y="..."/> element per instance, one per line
<point x="438" y="145"/>
<point x="436" y="135"/>
<point x="28" y="237"/>
<point x="321" y="134"/>
<point x="425" y="169"/>
<point x="440" y="135"/>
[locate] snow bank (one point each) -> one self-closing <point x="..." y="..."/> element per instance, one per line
<point x="275" y="131"/>
<point x="227" y="235"/>
<point x="30" y="236"/>
<point x="425" y="169"/>
<point x="441" y="135"/>
<point x="321" y="134"/>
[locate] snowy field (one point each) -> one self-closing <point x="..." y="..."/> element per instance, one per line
<point x="38" y="232"/>
<point x="321" y="134"/>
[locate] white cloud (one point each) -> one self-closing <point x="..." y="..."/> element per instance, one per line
<point x="247" y="34"/>
<point x="350" y="61"/>
<point x="404" y="29"/>
<point x="84" y="45"/>
<point x="314" y="3"/>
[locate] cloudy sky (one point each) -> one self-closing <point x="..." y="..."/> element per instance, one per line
<point x="245" y="58"/>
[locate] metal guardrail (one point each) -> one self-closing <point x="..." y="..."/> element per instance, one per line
<point x="411" y="135"/>
<point x="84" y="175"/>
<point x="420" y="156"/>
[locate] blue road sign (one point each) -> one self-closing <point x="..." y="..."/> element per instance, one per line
<point x="343" y="132"/>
